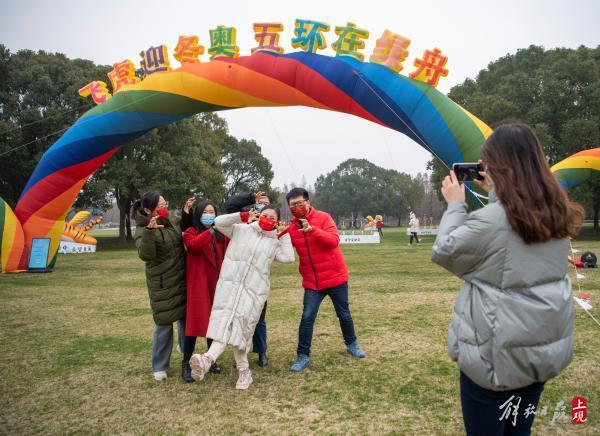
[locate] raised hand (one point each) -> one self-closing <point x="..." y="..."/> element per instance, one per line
<point x="452" y="189"/>
<point x="306" y="227"/>
<point x="485" y="184"/>
<point x="153" y="224"/>
<point x="252" y="215"/>
<point x="258" y="195"/>
<point x="188" y="204"/>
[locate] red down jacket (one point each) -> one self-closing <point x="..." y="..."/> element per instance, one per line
<point x="322" y="264"/>
<point x="205" y="255"/>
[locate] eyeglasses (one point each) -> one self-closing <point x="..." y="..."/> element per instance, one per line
<point x="297" y="203"/>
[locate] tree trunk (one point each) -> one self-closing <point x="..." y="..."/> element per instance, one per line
<point x="122" y="219"/>
<point x="596" y="214"/>
<point x="124" y="204"/>
<point x="128" y="223"/>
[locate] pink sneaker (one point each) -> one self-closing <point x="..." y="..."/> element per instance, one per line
<point x="245" y="379"/>
<point x="200" y="366"/>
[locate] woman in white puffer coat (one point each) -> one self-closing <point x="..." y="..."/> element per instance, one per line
<point x="243" y="287"/>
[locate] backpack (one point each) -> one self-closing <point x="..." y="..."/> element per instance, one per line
<point x="589" y="260"/>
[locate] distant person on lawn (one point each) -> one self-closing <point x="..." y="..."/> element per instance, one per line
<point x="379" y="226"/>
<point x="413" y="225"/>
<point x="324" y="273"/>
<point x="159" y="245"/>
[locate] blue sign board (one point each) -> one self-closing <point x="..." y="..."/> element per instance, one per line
<point x="38" y="256"/>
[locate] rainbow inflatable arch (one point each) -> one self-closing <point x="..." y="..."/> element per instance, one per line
<point x="343" y="84"/>
<point x="577" y="168"/>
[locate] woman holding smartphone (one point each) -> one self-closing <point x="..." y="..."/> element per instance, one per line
<point x="512" y="328"/>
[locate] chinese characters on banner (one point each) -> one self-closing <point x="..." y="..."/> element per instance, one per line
<point x="267" y="35"/>
<point x="390" y="51"/>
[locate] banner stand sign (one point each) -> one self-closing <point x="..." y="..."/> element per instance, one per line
<point x="38" y="256"/>
<point x="360" y="238"/>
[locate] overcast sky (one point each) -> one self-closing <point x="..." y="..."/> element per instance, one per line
<point x="302" y="141"/>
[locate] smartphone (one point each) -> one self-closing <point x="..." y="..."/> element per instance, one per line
<point x="467" y="171"/>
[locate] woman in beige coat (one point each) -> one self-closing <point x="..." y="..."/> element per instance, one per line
<point x="243" y="287"/>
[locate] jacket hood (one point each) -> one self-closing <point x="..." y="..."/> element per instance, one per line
<point x="141" y="220"/>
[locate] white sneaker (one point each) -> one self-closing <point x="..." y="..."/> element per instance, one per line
<point x="200" y="366"/>
<point x="245" y="379"/>
<point x="160" y="375"/>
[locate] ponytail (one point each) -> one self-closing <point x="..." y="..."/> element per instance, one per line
<point x="148" y="201"/>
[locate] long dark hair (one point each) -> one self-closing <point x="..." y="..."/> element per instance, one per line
<point x="197" y="214"/>
<point x="536" y="206"/>
<point x="148" y="201"/>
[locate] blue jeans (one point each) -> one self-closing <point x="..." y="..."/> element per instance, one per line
<point x="482" y="408"/>
<point x="259" y="340"/>
<point x="162" y="344"/>
<point x="312" y="301"/>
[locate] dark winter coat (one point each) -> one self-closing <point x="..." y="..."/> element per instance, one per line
<point x="162" y="251"/>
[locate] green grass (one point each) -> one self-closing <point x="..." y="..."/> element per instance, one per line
<point x="76" y="354"/>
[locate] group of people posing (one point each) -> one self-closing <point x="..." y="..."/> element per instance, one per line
<point x="210" y="274"/>
<point x="512" y="328"/>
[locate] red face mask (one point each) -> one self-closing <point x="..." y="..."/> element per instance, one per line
<point x="163" y="212"/>
<point x="300" y="211"/>
<point x="266" y="223"/>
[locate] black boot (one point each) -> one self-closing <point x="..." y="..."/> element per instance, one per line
<point x="186" y="372"/>
<point x="262" y="360"/>
<point x="215" y="368"/>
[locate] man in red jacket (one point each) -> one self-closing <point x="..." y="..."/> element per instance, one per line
<point x="324" y="272"/>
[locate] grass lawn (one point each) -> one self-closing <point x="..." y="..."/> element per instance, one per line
<point x="76" y="354"/>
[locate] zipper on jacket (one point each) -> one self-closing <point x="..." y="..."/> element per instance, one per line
<point x="242" y="282"/>
<point x="311" y="262"/>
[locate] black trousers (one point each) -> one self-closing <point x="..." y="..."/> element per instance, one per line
<point x="414" y="235"/>
<point x="498" y="413"/>
<point x="189" y="344"/>
<point x="259" y="340"/>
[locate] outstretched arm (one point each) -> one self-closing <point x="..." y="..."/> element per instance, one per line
<point x="225" y="223"/>
<point x="237" y="202"/>
<point x="328" y="236"/>
<point x="195" y="242"/>
<point x="285" y="251"/>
